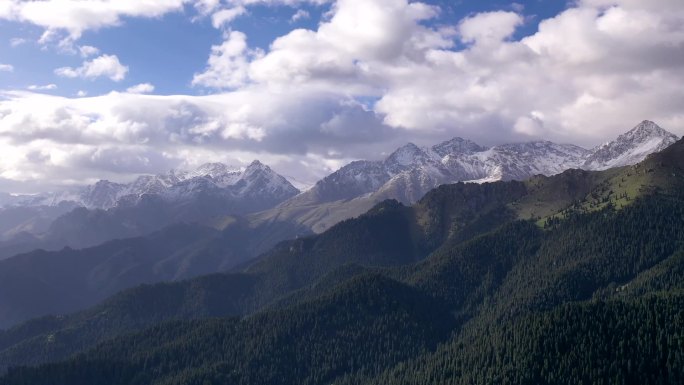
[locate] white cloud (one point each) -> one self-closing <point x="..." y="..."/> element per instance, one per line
<point x="588" y="73"/>
<point x="88" y="51"/>
<point x="518" y="7"/>
<point x="75" y="16"/>
<point x="301" y="14"/>
<point x="489" y="27"/>
<point x="17" y="41"/>
<point x="102" y="66"/>
<point x="45" y="87"/>
<point x="81" y="93"/>
<point x="228" y="64"/>
<point x="6" y="68"/>
<point x="225" y="16"/>
<point x="142" y="88"/>
<point x="353" y="50"/>
<point x="246" y="124"/>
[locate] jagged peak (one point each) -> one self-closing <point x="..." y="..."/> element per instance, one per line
<point x="643" y="131"/>
<point x="256" y="164"/>
<point x="406" y="154"/>
<point x="214" y="168"/>
<point x="647" y="128"/>
<point x="257" y="167"/>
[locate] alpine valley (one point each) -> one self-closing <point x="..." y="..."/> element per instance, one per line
<point x="532" y="263"/>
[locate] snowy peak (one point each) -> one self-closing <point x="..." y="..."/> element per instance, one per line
<point x="214" y="170"/>
<point x="523" y="160"/>
<point x="645" y="129"/>
<point x="410" y="171"/>
<point x="409" y="157"/>
<point x="256" y="167"/>
<point x="630" y="147"/>
<point x="457" y="146"/>
<point x="255" y="182"/>
<point x="258" y="179"/>
<point x="406" y="155"/>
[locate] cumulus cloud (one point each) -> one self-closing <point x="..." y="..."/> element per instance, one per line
<point x="489" y="27"/>
<point x="102" y="66"/>
<point x="598" y="56"/>
<point x="228" y="64"/>
<point x="142" y="88"/>
<point x="88" y="51"/>
<point x="354" y="50"/>
<point x="6" y="68"/>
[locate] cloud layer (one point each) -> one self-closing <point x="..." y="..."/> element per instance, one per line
<point x="374" y="74"/>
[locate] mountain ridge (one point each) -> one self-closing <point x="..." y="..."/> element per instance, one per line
<point x="411" y="171"/>
<point x="174" y="185"/>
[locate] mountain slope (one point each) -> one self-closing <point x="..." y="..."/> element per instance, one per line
<point x="354" y="312"/>
<point x="389" y="235"/>
<point x="447" y="317"/>
<point x="58" y="282"/>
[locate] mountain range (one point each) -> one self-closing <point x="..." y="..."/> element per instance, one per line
<point x="417" y="169"/>
<point x="106" y="210"/>
<point x="255" y="185"/>
<point x="565" y="279"/>
<point x="410" y="171"/>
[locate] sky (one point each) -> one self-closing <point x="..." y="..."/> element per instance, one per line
<point x="111" y="89"/>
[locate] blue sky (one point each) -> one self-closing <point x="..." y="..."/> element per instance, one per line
<point x="115" y="88"/>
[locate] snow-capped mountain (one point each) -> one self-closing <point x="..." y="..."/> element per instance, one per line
<point x="630" y="147"/>
<point x="411" y="171"/>
<point x="457" y="146"/>
<point x="256" y="182"/>
<point x="476" y="163"/>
